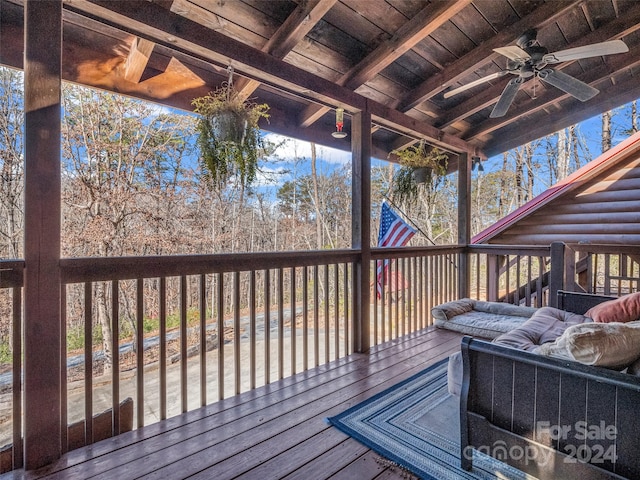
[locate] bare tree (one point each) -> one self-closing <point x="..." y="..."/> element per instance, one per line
<point x="11" y="163"/>
<point x="122" y="156"/>
<point x="606" y="130"/>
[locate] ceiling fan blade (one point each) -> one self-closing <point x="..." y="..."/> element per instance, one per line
<point x="506" y="99"/>
<point x="513" y="52"/>
<point x="587" y="51"/>
<point x="480" y="81"/>
<point x="568" y="84"/>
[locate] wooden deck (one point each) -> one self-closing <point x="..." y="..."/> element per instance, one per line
<point x="276" y="431"/>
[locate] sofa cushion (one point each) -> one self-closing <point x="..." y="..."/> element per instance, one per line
<point x="614" y="345"/>
<point x="500" y="308"/>
<point x="454" y="374"/>
<point x="480" y="319"/>
<point x="623" y="309"/>
<point x="545" y="325"/>
<point x="481" y="324"/>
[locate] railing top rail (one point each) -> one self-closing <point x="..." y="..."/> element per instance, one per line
<point x="11" y="273"/>
<point x="601" y="248"/>
<point x="533" y="250"/>
<point x="75" y="270"/>
<point x="401" y="252"/>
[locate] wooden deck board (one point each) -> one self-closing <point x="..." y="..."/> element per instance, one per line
<point x="275" y="431"/>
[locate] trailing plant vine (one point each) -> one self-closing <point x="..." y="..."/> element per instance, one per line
<point x="229" y="136"/>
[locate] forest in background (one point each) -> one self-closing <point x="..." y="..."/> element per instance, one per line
<point x="132" y="185"/>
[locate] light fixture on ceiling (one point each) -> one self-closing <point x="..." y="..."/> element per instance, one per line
<point x="476" y="162"/>
<point x="339" y="124"/>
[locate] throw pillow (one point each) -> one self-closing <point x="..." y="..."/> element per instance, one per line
<point x="623" y="309"/>
<point x="447" y="311"/>
<point x="614" y="345"/>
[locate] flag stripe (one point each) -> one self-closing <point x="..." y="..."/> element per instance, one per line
<point x="394" y="232"/>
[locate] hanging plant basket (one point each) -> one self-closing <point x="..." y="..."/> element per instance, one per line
<point x="229" y="126"/>
<point x="420" y="164"/>
<point x="229" y="136"/>
<point x="422" y="175"/>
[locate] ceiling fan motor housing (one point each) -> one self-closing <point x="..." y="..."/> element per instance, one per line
<point x="527" y="39"/>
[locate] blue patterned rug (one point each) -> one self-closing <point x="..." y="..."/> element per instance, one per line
<point x="416" y="425"/>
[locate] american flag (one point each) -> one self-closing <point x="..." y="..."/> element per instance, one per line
<point x="394" y="232"/>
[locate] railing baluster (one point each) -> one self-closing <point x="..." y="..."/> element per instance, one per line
<point x="293" y="320"/>
<point x="115" y="355"/>
<point x="383" y="301"/>
<point x="163" y="347"/>
<point x="220" y="323"/>
<point x="183" y="343"/>
<point x="347" y="310"/>
<point x="395" y="271"/>
<point x="327" y="329"/>
<point x="236" y="333"/>
<point x="336" y="308"/>
<point x="202" y="302"/>
<point x="140" y="351"/>
<point x="280" y="294"/>
<point x="16" y="386"/>
<point x="316" y="320"/>
<point x="252" y="329"/>
<point x="63" y="368"/>
<point x="88" y="362"/>
<point x="267" y="326"/>
<point x="305" y="318"/>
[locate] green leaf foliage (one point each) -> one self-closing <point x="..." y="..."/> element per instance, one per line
<point x="229" y="135"/>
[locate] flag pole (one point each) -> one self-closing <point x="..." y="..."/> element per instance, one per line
<point x="407" y="217"/>
<point x="393" y="204"/>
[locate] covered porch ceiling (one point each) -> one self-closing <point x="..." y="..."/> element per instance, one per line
<point x="393" y="58"/>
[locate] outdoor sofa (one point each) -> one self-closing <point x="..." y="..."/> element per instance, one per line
<point x="562" y="401"/>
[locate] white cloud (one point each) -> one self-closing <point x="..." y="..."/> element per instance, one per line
<point x="292" y="149"/>
<point x="267" y="177"/>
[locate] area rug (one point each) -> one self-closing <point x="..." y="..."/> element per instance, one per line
<point x="416" y="425"/>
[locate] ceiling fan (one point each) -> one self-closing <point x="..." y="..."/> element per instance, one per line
<point x="530" y="59"/>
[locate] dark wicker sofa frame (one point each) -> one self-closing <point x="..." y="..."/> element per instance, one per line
<point x="551" y="418"/>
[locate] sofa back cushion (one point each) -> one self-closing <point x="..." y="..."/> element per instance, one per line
<point x="623" y="309"/>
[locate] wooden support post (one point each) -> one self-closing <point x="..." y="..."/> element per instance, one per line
<point x="361" y="227"/>
<point x="42" y="345"/>
<point x="493" y="277"/>
<point x="464" y="223"/>
<point x="557" y="280"/>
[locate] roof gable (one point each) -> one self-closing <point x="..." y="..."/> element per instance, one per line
<point x="598" y="203"/>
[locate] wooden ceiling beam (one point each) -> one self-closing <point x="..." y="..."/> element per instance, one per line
<point x="297" y="25"/>
<point x="415" y="30"/>
<point x="483" y="54"/>
<point x="616" y="29"/>
<point x="147" y="20"/>
<point x="305" y="16"/>
<point x="137" y="60"/>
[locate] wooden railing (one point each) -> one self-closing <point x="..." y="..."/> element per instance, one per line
<point x="605" y="270"/>
<point x="11" y="283"/>
<point x="213" y="326"/>
<point x="517" y="275"/>
<point x="407" y="283"/>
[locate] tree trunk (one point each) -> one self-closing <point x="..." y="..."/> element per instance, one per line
<point x="105" y="324"/>
<point x="562" y="162"/>
<point x="606" y="131"/>
<point x="502" y="200"/>
<point x="316" y="197"/>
